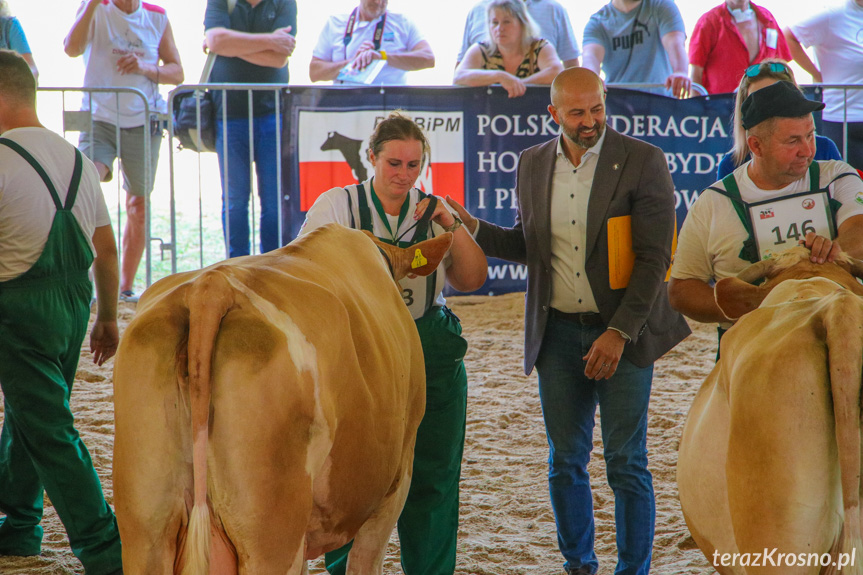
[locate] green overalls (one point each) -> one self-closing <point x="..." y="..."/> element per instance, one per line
<point x="428" y="525"/>
<point x="749" y="252"/>
<point x="43" y="320"/>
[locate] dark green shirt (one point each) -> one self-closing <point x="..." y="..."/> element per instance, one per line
<point x="266" y="17"/>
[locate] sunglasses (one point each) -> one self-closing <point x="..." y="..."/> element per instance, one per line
<point x="775" y="67"/>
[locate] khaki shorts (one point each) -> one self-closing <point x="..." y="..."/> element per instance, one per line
<point x="131" y="154"/>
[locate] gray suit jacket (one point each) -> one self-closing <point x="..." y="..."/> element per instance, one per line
<point x="631" y="178"/>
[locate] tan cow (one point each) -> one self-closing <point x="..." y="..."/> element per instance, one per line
<point x="266" y="409"/>
<point x="770" y="458"/>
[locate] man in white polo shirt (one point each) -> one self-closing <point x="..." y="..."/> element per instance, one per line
<point x="767" y="205"/>
<point x="370" y="33"/>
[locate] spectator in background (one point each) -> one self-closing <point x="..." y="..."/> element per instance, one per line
<point x="730" y="38"/>
<point x="639" y="41"/>
<point x="370" y="32"/>
<point x="551" y="18"/>
<point x="253" y="43"/>
<point x="12" y="37"/>
<point x="513" y="56"/>
<point x="837" y="36"/>
<point x="754" y="78"/>
<point x="123" y="43"/>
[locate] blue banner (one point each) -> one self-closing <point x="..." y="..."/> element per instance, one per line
<point x="476" y="136"/>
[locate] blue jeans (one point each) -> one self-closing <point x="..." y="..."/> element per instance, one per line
<point x="569" y="403"/>
<point x="239" y="185"/>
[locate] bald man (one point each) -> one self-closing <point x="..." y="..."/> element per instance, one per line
<point x="592" y="337"/>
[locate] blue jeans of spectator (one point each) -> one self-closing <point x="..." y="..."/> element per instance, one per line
<point x="569" y="403"/>
<point x="235" y="211"/>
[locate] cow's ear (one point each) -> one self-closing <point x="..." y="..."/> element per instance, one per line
<point x="420" y="259"/>
<point x="735" y="297"/>
<point x="423" y="258"/>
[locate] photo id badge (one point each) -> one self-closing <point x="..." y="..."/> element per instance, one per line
<point x="779" y="224"/>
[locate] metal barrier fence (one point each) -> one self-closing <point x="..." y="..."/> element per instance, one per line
<point x="224" y="89"/>
<point x="196" y="244"/>
<point x="82" y="121"/>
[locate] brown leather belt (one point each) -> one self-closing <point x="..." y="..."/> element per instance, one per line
<point x="588" y="318"/>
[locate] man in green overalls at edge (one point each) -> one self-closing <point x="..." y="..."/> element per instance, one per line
<point x="53" y="221"/>
<point x="767" y="205"/>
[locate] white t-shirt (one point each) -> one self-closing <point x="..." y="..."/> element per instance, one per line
<point x="400" y="35"/>
<point x="837" y="35"/>
<point x="713" y="235"/>
<point x="26" y="208"/>
<point x="332" y="207"/>
<point x="114" y="34"/>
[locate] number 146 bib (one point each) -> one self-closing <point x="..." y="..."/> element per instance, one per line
<point x="779" y="224"/>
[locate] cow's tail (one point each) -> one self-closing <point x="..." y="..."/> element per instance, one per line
<point x="843" y="322"/>
<point x="208" y="299"/>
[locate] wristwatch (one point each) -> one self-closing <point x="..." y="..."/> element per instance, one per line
<point x="383" y="54"/>
<point x="455" y="225"/>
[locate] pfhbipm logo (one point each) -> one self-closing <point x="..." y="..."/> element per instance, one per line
<point x="333" y="151"/>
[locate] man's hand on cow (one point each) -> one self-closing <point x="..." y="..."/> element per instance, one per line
<point x="104" y="338"/>
<point x="823" y="249"/>
<point x="468" y="220"/>
<point x="604" y="355"/>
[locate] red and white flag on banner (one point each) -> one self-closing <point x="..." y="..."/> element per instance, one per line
<point x="333" y="151"/>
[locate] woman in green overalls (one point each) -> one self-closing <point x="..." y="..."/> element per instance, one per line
<point x="389" y="206"/>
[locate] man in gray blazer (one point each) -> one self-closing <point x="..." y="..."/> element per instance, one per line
<point x="592" y="335"/>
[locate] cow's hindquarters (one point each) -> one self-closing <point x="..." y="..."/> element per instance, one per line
<point x="701" y="476"/>
<point x="152" y="440"/>
<point x="782" y="474"/>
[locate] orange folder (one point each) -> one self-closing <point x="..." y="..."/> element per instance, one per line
<point x="621" y="258"/>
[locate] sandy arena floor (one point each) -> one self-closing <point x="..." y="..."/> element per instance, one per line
<point x="507" y="527"/>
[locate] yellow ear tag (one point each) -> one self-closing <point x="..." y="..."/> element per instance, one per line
<point x="419" y="261"/>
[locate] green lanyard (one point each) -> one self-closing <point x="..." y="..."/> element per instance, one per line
<point x="384" y="218"/>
